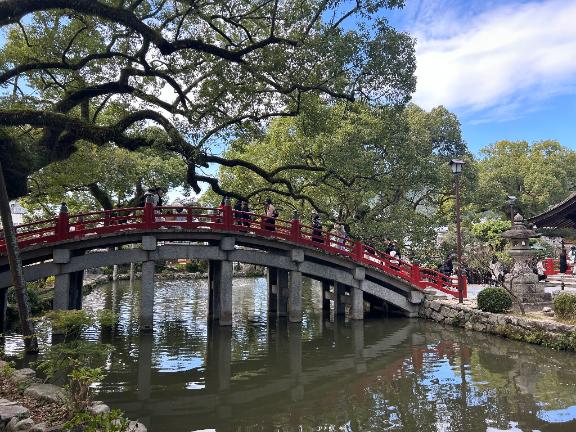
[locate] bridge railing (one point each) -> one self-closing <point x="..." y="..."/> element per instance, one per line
<point x="552" y="267"/>
<point x="84" y="225"/>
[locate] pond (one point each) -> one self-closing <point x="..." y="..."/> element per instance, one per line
<point x="325" y="374"/>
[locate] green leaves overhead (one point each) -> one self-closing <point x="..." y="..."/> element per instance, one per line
<point x="539" y="175"/>
<point x="201" y="71"/>
<point x="385" y="169"/>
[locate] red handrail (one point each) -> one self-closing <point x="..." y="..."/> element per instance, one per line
<point x="84" y="225"/>
<point x="552" y="267"/>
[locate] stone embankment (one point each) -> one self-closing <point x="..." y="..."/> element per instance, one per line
<point x="542" y="331"/>
<point x="28" y="410"/>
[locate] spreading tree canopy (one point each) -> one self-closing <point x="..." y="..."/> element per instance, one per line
<point x="104" y="71"/>
<point x="385" y="172"/>
<point x="539" y="175"/>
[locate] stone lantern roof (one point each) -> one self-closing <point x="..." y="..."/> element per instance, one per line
<point x="519" y="230"/>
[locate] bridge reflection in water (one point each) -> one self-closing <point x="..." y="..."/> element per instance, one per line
<point x="265" y="373"/>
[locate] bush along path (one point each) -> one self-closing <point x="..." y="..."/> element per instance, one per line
<point x="30" y="404"/>
<point x="533" y="328"/>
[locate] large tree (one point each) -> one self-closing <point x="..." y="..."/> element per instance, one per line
<point x="102" y="177"/>
<point x="538" y="174"/>
<point x="385" y="170"/>
<point x="200" y="70"/>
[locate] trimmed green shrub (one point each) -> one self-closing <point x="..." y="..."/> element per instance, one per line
<point x="495" y="300"/>
<point x="565" y="306"/>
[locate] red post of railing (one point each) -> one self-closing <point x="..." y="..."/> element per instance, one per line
<point x="228" y="216"/>
<point x="188" y="216"/>
<point x="464" y="286"/>
<point x="107" y="217"/>
<point x="358" y="250"/>
<point x="62" y="223"/>
<point x="295" y="234"/>
<point x="148" y="217"/>
<point x="415" y="275"/>
<point x="549" y="266"/>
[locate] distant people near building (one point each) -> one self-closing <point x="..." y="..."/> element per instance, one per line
<point x="179" y="213"/>
<point x="572" y="255"/>
<point x="317" y="228"/>
<point x="154" y="197"/>
<point x="447" y="266"/>
<point x="270" y="215"/>
<point x="540" y="270"/>
<point x="563" y="260"/>
<point x="343" y="237"/>
<point x="338" y="236"/>
<point x="496" y="272"/>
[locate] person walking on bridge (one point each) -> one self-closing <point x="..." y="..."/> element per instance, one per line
<point x="317" y="228"/>
<point x="271" y="214"/>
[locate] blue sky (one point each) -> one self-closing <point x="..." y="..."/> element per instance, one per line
<point x="507" y="68"/>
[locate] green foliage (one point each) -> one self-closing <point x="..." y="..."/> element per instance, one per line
<point x="495" y="300"/>
<point x="565" y="306"/>
<point x="7" y="370"/>
<point x="195" y="266"/>
<point x="101" y="177"/>
<point x="561" y="342"/>
<point x="39" y="295"/>
<point x="539" y="175"/>
<point x="255" y="60"/>
<point x="490" y="232"/>
<point x="106" y="317"/>
<point x="70" y="322"/>
<point x="80" y="394"/>
<point x="113" y="421"/>
<point x="386" y="177"/>
<point x="63" y="358"/>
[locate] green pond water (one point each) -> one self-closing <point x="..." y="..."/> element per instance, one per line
<point x="265" y="374"/>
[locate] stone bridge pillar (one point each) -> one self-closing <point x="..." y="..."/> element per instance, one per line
<point x="283" y="292"/>
<point x="227" y="245"/>
<point x="67" y="286"/>
<point x="339" y="298"/>
<point x="295" y="287"/>
<point x="357" y="306"/>
<point x="273" y="291"/>
<point x="147" y="286"/>
<point x="214" y="271"/>
<point x="325" y="298"/>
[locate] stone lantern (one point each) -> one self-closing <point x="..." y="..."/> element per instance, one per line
<point x="525" y="286"/>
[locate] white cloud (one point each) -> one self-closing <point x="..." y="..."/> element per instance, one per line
<point x="501" y="61"/>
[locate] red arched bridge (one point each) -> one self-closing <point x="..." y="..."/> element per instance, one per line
<point x="351" y="272"/>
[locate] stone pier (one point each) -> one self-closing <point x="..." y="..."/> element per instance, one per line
<point x="272" y="278"/>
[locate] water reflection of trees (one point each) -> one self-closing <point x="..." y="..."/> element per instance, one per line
<point x="430" y="379"/>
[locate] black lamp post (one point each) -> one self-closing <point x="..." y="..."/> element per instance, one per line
<point x="511" y="201"/>
<point x="456" y="166"/>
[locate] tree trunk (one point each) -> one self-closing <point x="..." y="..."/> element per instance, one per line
<point x="30" y="340"/>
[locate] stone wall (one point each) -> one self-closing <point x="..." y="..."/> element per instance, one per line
<point x="548" y="333"/>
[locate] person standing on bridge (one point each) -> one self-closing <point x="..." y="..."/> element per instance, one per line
<point x="270" y="214"/>
<point x="317" y="228"/>
<point x="246" y="218"/>
<point x="563" y="260"/>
